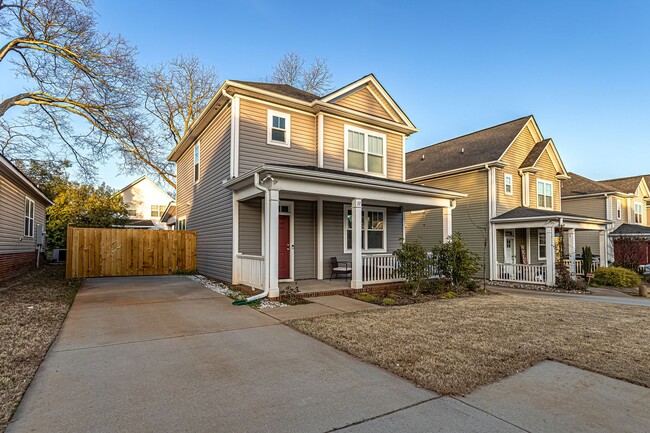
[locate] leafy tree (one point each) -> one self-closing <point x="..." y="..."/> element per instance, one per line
<point x="414" y="265"/>
<point x="83" y="206"/>
<point x="455" y="261"/>
<point x="292" y="69"/>
<point x="50" y="177"/>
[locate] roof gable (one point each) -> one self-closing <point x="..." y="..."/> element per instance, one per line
<point x="140" y="180"/>
<point x="364" y="100"/>
<point x="18" y="176"/>
<point x="630" y="185"/>
<point x="537" y="152"/>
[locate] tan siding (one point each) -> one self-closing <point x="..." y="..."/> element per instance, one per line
<point x="207" y="204"/>
<point x="547" y="172"/>
<point x="469" y="217"/>
<point x="514" y="157"/>
<point x="595" y="207"/>
<point x="363" y="101"/>
<point x="253" y="147"/>
<point x="334" y="145"/>
<point x="12" y="203"/>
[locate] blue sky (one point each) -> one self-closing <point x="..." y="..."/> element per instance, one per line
<point x="581" y="67"/>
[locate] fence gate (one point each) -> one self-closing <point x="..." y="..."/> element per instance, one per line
<point x="94" y="252"/>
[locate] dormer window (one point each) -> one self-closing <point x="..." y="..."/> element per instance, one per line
<point x="507" y="184"/>
<point x="544" y="194"/>
<point x="365" y="151"/>
<point x="279" y="129"/>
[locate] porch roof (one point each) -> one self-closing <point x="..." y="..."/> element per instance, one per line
<point x="310" y="180"/>
<point x="631" y="230"/>
<point x="531" y="215"/>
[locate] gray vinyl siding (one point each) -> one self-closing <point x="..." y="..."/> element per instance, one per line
<point x="12" y="203"/>
<point x="595" y="207"/>
<point x="333" y="224"/>
<point x="207" y="204"/>
<point x="469" y="217"/>
<point x="588" y="239"/>
<point x="304" y="240"/>
<point x="250" y="227"/>
<point x="253" y="147"/>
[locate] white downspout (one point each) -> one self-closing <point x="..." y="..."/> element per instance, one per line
<point x="267" y="232"/>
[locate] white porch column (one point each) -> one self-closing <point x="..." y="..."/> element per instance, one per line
<point x="319" y="240"/>
<point x="604" y="250"/>
<point x="272" y="236"/>
<point x="571" y="242"/>
<point x="446" y="224"/>
<point x="550" y="256"/>
<point x="357" y="268"/>
<point x="235" y="238"/>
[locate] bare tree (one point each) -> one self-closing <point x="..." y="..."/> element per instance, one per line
<point x="291" y="69"/>
<point x="71" y="71"/>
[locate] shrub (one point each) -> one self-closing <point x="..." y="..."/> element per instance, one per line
<point x="616" y="277"/>
<point x="366" y="297"/>
<point x="587" y="259"/>
<point x="414" y="264"/>
<point x="472" y="285"/>
<point x="389" y="301"/>
<point x="449" y="295"/>
<point x="563" y="280"/>
<point x="290" y="295"/>
<point x="455" y="261"/>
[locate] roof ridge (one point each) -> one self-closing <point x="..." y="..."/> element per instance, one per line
<point x="471" y="133"/>
<point x="624" y="178"/>
<point x="275" y="84"/>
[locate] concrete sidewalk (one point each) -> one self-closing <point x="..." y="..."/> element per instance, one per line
<point x="164" y="354"/>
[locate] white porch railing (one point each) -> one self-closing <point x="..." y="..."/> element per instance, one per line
<point x="579" y="266"/>
<point x="251" y="270"/>
<point x="383" y="268"/>
<point x="535" y="274"/>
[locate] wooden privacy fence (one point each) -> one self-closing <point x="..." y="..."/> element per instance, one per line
<point x="93" y="252"/>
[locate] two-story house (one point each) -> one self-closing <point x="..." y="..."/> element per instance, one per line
<point x="623" y="201"/>
<point x="512" y="215"/>
<point x="146" y="203"/>
<point x="282" y="185"/>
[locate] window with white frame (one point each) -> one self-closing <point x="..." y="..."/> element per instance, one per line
<point x="29" y="218"/>
<point x="544" y="194"/>
<point x="507" y="184"/>
<point x="541" y="244"/>
<point x="365" y="151"/>
<point x="182" y="223"/>
<point x="157" y="210"/>
<point x="619" y="209"/>
<point x="278" y="128"/>
<point x="130" y="209"/>
<point x="197" y="161"/>
<point x="373" y="229"/>
<point x="638" y="213"/>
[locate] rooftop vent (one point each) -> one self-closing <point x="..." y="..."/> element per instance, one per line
<point x="462" y="150"/>
<point x="422" y="157"/>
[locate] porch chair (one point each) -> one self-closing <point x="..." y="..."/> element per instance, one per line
<point x="340" y="268"/>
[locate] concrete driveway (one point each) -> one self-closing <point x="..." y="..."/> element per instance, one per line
<point x="164" y="354"/>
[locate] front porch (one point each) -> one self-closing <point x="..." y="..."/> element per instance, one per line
<point x="293" y="224"/>
<point x="526" y="246"/>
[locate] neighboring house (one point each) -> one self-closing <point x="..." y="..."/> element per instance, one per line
<point x="623" y="201"/>
<point x="513" y="212"/>
<point x="146" y="203"/>
<point x="169" y="216"/>
<point x="22" y="232"/>
<point x="277" y="181"/>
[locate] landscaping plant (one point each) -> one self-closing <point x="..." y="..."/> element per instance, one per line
<point x="414" y="265"/>
<point x="587" y="259"/>
<point x="564" y="281"/>
<point x="616" y="277"/>
<point x="455" y="261"/>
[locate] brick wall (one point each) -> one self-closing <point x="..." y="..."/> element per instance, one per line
<point x="16" y="263"/>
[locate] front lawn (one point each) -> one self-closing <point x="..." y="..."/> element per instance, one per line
<point x="32" y="309"/>
<point x="454" y="346"/>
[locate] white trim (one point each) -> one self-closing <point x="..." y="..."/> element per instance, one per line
<point x="235" y="134"/>
<point x="640" y="205"/>
<point x="287" y="128"/>
<point x="364" y="231"/>
<point x="403" y="158"/>
<point x="321" y="139"/>
<point x="619" y="209"/>
<point x="29" y="213"/>
<point x="545" y="182"/>
<point x="235" y="238"/>
<point x="528" y="245"/>
<point x="514" y="246"/>
<point x="507" y="176"/>
<point x="541" y="234"/>
<point x="182" y="219"/>
<point x="366" y="132"/>
<point x="196" y="173"/>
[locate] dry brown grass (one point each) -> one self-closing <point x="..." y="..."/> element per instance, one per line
<point x="452" y="347"/>
<point x="32" y="309"/>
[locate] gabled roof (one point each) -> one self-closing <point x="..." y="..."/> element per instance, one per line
<point x="170" y="212"/>
<point x="579" y="185"/>
<point x="628" y="185"/>
<point x="141" y="179"/>
<point x="526" y="213"/>
<point x="282" y="89"/>
<point x="480" y="147"/>
<point x="535" y="153"/>
<point x="139" y="223"/>
<point x="24" y="180"/>
<point x="631" y="230"/>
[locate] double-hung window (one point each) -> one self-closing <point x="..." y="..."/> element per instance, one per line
<point x="278" y="128"/>
<point x="365" y="151"/>
<point x="182" y="223"/>
<point x="373" y="229"/>
<point x="541" y="244"/>
<point x="619" y="209"/>
<point x="131" y="209"/>
<point x="157" y="210"/>
<point x="197" y="161"/>
<point x="507" y="184"/>
<point x="28" y="229"/>
<point x="544" y="194"/>
<point x="638" y="213"/>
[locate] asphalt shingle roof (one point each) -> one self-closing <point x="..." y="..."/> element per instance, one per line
<point x="632" y="229"/>
<point x="580" y="185"/>
<point x="479" y="147"/>
<point x="282" y="89"/>
<point x="535" y="153"/>
<point x="528" y="212"/>
<point x="627" y="185"/>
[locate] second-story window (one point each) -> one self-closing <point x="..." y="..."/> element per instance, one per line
<point x="157" y="210"/>
<point x="279" y="129"/>
<point x="544" y="194"/>
<point x="131" y="209"/>
<point x="365" y="151"/>
<point x="638" y="213"/>
<point x="619" y="209"/>
<point x="507" y="184"/>
<point x="197" y="161"/>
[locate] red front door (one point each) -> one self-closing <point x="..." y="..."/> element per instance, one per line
<point x="284" y="248"/>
